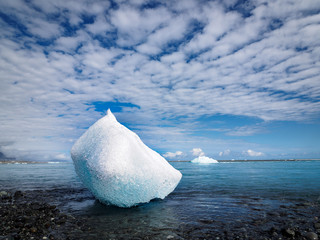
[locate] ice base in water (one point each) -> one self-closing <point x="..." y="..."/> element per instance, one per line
<point x="118" y="168"/>
<point x="204" y="160"/>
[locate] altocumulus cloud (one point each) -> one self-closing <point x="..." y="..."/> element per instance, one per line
<point x="168" y="63"/>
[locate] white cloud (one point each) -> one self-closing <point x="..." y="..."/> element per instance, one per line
<point x="218" y="23"/>
<point x="134" y="25"/>
<point x="225" y="153"/>
<point x="100" y="25"/>
<point x="265" y="66"/>
<point x="246" y="130"/>
<point x="62" y="156"/>
<point x="44" y="29"/>
<point x="173" y="154"/>
<point x="252" y="153"/>
<point x="174" y="30"/>
<point x="197" y="152"/>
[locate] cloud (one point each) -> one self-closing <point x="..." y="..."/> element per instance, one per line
<point x="173" y="154"/>
<point x="157" y="41"/>
<point x="62" y="156"/>
<point x="99" y="26"/>
<point x="134" y="25"/>
<point x="179" y="62"/>
<point x="252" y="153"/>
<point x="246" y="130"/>
<point x="197" y="152"/>
<point x="44" y="29"/>
<point x="225" y="153"/>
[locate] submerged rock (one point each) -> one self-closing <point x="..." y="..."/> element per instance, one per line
<point x="118" y="168"/>
<point x="311" y="236"/>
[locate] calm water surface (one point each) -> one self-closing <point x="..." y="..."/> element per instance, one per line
<point x="222" y="193"/>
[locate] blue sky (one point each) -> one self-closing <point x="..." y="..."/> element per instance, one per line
<point x="238" y="79"/>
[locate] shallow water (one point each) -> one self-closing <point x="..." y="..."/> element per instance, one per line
<point x="208" y="198"/>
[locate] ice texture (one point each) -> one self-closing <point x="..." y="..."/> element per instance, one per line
<point x="118" y="168"/>
<point x="204" y="160"/>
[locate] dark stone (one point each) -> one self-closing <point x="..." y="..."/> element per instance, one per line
<point x="17" y="194"/>
<point x="35" y="206"/>
<point x="272" y="230"/>
<point x="52" y="207"/>
<point x="288" y="232"/>
<point x="311" y="236"/>
<point x="317" y="225"/>
<point x="206" y="221"/>
<point x="6" y="237"/>
<point x="61" y="221"/>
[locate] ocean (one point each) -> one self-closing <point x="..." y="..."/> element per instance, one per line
<point x="223" y="200"/>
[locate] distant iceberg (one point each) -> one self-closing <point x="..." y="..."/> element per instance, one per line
<point x="118" y="168"/>
<point x="204" y="160"/>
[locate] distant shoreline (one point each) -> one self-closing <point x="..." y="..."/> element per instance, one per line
<point x="255" y="160"/>
<point x="5" y="161"/>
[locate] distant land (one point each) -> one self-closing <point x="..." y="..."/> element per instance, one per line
<point x="8" y="160"/>
<point x="4" y="158"/>
<point x="256" y="160"/>
<point x="14" y="161"/>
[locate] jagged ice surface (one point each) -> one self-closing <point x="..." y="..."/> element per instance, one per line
<point x="204" y="160"/>
<point x="118" y="168"/>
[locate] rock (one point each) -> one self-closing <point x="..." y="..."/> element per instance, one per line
<point x="7" y="238"/>
<point x="273" y="214"/>
<point x="3" y="193"/>
<point x="17" y="194"/>
<point x="288" y="232"/>
<point x="206" y="221"/>
<point x="272" y="229"/>
<point x="317" y="225"/>
<point x="311" y="236"/>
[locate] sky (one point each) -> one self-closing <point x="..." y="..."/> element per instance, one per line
<point x="225" y="79"/>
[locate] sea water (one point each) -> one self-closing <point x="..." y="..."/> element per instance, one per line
<point x="222" y="193"/>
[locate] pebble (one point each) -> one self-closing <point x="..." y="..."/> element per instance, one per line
<point x="28" y="218"/>
<point x="288" y="232"/>
<point x="311" y="236"/>
<point x="17" y="194"/>
<point x="3" y="193"/>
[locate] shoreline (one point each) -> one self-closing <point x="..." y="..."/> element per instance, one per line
<point x="33" y="215"/>
<point x="26" y="217"/>
<point x="219" y="161"/>
<point x="29" y="162"/>
<point x="256" y="160"/>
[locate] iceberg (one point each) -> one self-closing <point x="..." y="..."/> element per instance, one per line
<point x="204" y="160"/>
<point x="118" y="168"/>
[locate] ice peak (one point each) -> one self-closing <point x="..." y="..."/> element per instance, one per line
<point x="110" y="115"/>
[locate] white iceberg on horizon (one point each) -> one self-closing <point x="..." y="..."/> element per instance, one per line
<point x="204" y="160"/>
<point x="118" y="168"/>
